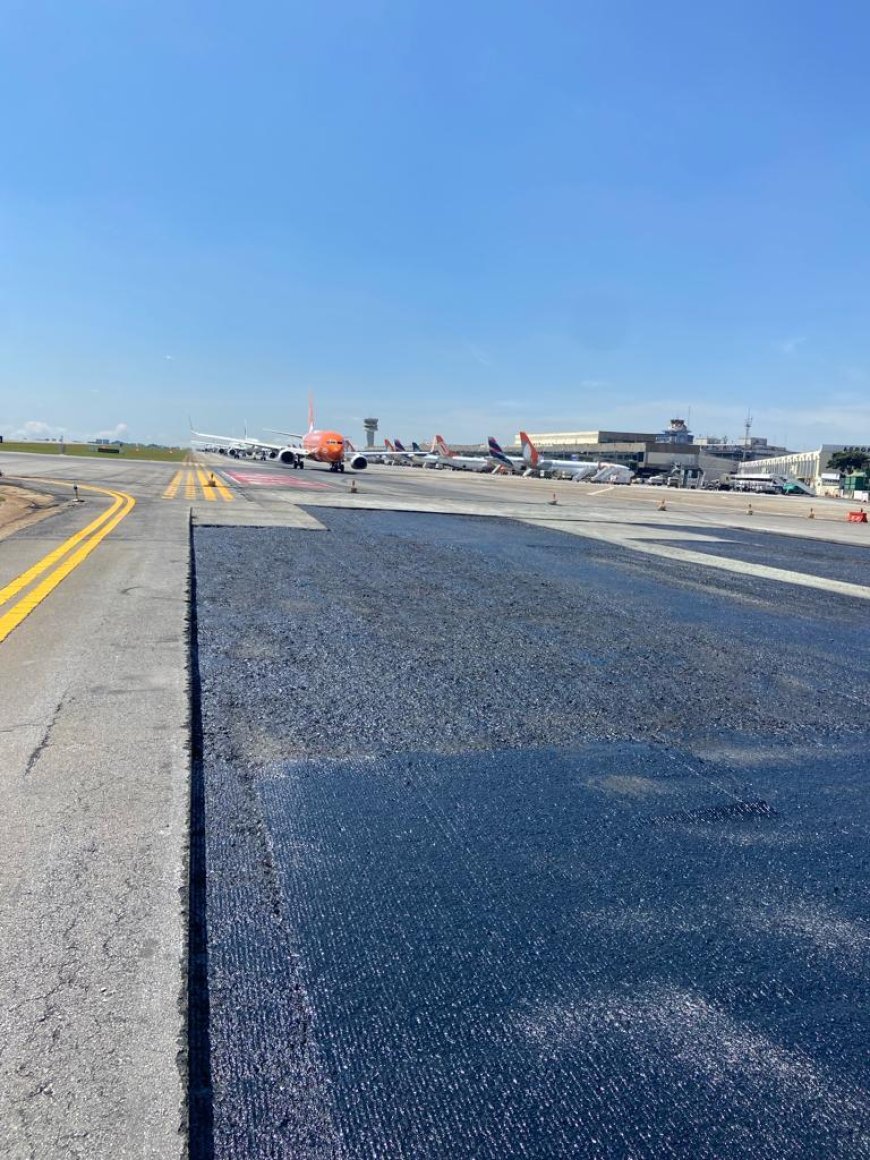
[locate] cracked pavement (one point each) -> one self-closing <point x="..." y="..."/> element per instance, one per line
<point x="93" y="775"/>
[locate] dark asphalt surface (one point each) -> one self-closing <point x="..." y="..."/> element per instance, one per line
<point x="813" y="557"/>
<point x="518" y="844"/>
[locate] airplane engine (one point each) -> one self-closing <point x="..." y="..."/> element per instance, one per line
<point x="359" y="462"/>
<point x="287" y="457"/>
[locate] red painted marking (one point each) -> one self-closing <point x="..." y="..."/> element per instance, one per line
<point x="267" y="479"/>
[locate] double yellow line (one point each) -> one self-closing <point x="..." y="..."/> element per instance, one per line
<point x="24" y="594"/>
<point x="212" y="485"/>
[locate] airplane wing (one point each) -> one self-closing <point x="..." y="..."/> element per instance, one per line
<point x="241" y="442"/>
<point x="371" y="454"/>
<point x="236" y="440"/>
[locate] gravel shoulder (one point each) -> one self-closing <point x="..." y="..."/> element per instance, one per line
<point x="21" y="508"/>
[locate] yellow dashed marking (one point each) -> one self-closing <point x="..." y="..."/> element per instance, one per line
<point x="199" y="483"/>
<point x="173" y="486"/>
<point x="207" y="489"/>
<point x="222" y="489"/>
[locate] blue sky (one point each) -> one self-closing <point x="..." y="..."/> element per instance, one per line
<point x="457" y="217"/>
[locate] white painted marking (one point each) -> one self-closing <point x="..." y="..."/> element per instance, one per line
<point x="622" y="537"/>
<point x="254" y="516"/>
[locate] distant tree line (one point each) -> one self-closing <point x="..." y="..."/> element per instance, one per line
<point x="852" y="459"/>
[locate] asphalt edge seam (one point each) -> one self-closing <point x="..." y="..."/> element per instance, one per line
<point x="200" y="1110"/>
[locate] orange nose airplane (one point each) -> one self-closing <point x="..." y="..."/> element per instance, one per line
<point x="320" y="447"/>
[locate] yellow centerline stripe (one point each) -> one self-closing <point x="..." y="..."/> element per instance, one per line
<point x="211" y="484"/>
<point x="14" y="616"/>
<point x="20" y="582"/>
<point x="222" y="489"/>
<point x="173" y="485"/>
<point x="207" y="489"/>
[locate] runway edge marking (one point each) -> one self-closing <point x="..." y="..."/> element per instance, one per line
<point x="686" y="556"/>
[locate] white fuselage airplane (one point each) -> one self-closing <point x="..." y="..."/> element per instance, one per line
<point x="447" y="458"/>
<point x="329" y="447"/>
<point x="593" y="472"/>
<point x="396" y="454"/>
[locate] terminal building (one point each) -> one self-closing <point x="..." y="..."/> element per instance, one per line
<point x="651" y="453"/>
<point x="675" y="449"/>
<point x="810" y="467"/>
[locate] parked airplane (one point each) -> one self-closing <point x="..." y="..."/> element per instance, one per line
<point x="390" y="454"/>
<point x="417" y="457"/>
<point x="447" y="458"/>
<point x="415" y="454"/>
<point x="237" y="446"/>
<point x="395" y="452"/>
<point x="400" y="454"/>
<point x="594" y="471"/>
<point x="514" y="464"/>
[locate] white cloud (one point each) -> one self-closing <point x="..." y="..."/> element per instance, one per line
<point x="478" y="354"/>
<point x="33" y="429"/>
<point x="789" y="346"/>
<point x="119" y="431"/>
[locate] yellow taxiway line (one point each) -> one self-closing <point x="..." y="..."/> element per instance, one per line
<point x="222" y="489"/>
<point x="63" y="560"/>
<point x="207" y="488"/>
<point x="210" y="485"/>
<point x="173" y="486"/>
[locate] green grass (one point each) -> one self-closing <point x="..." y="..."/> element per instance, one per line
<point x="127" y="451"/>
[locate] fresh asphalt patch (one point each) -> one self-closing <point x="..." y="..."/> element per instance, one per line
<point x="797" y="554"/>
<point x="517" y="844"/>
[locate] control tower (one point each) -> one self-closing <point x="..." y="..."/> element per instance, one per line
<point x="371" y="425"/>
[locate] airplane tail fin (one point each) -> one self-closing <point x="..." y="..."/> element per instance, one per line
<point x="399" y="446"/>
<point x="311" y="412"/>
<point x="441" y="447"/>
<point x="498" y="455"/>
<point x="415" y="446"/>
<point x="530" y="451"/>
<point x="389" y="445"/>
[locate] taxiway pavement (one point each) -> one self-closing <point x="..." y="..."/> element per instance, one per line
<point x="95" y="729"/>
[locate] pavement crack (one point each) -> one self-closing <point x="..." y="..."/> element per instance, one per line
<point x="45" y="740"/>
